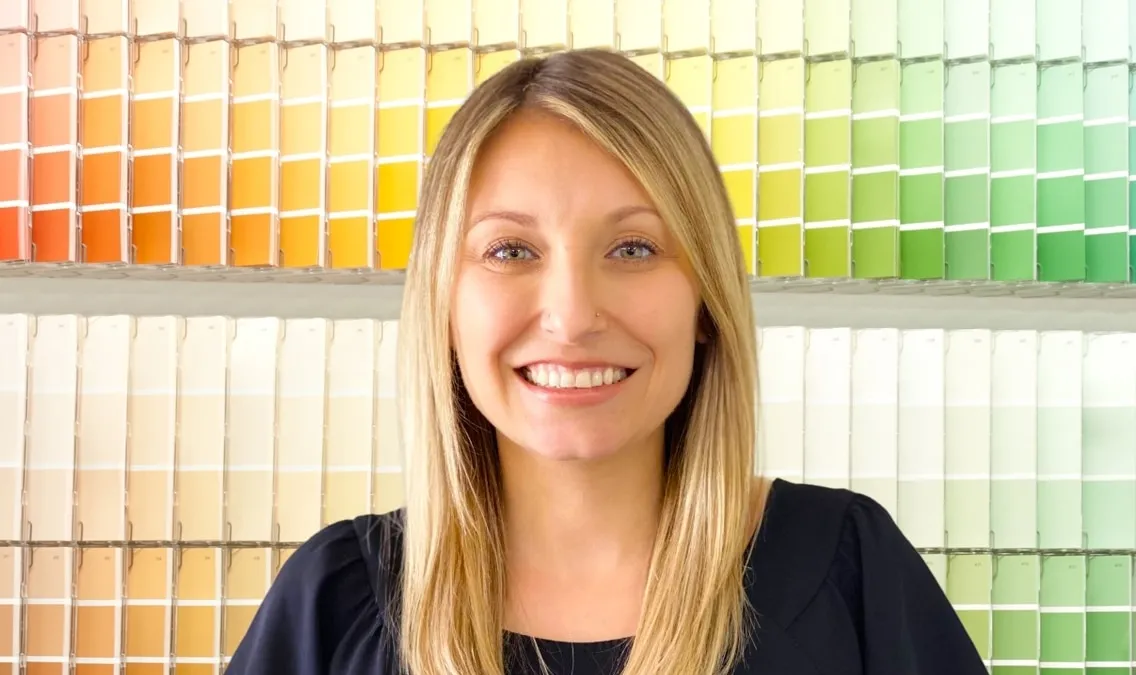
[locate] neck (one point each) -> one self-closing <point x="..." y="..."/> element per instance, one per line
<point x="578" y="516"/>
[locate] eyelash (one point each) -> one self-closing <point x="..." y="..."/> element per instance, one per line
<point x="495" y="249"/>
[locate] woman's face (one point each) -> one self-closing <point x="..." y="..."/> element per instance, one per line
<point x="575" y="313"/>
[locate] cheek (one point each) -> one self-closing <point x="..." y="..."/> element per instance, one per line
<point x="481" y="325"/>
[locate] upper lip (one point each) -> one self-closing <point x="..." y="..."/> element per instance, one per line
<point x="574" y="365"/>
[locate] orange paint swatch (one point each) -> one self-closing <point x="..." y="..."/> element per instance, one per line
<point x="14" y="240"/>
<point x="153" y="139"/>
<point x="53" y="114"/>
<point x="351" y="128"/>
<point x="204" y="138"/>
<point x="102" y="134"/>
<point x="255" y="118"/>
<point x="303" y="126"/>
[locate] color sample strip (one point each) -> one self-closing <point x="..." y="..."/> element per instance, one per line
<point x="875" y="169"/>
<point x="351" y="127"/>
<point x="1016" y="619"/>
<point x="544" y="24"/>
<point x="400" y="148"/>
<point x="1059" y="420"/>
<point x="875" y="415"/>
<point x="828" y="28"/>
<point x="14" y="148"/>
<point x="255" y="19"/>
<point x="449" y="79"/>
<point x="966" y="28"/>
<point x="921" y="171"/>
<point x="50" y="458"/>
<point x="103" y="137"/>
<point x="251" y="429"/>
<point x="967" y="160"/>
<point x="401" y="21"/>
<point x="691" y="78"/>
<point x="1060" y="173"/>
<point x="1106" y="173"/>
<point x="157" y="17"/>
<point x="733" y="138"/>
<point x="154" y="123"/>
<point x="828" y="407"/>
<point x="209" y="18"/>
<point x="95" y="625"/>
<point x="301" y="419"/>
<point x="970" y="581"/>
<point x="247" y="575"/>
<point x="14" y="16"/>
<point x="1108" y="629"/>
<point x="780" y="29"/>
<point x="921" y="511"/>
<point x="828" y="163"/>
<point x="301" y="20"/>
<point x="53" y="112"/>
<point x="1013" y="176"/>
<point x="967" y="420"/>
<point x="637" y="23"/>
<point x="1014" y="439"/>
<point x="303" y="157"/>
<point x="922" y="28"/>
<point x="150" y="574"/>
<point x="1104" y="30"/>
<point x="353" y="21"/>
<point x="733" y="25"/>
<point x="781" y="376"/>
<point x="1013" y="30"/>
<point x="1063" y="595"/>
<point x="204" y="189"/>
<point x="153" y="406"/>
<point x="254" y="199"/>
<point x="1132" y="177"/>
<point x="591" y="23"/>
<point x="875" y="28"/>
<point x="387" y="485"/>
<point x="352" y="416"/>
<point x="48" y="581"/>
<point x="197" y="609"/>
<point x="780" y="159"/>
<point x="14" y="340"/>
<point x="1058" y="29"/>
<point x="103" y="426"/>
<point x="200" y="445"/>
<point x="1108" y="463"/>
<point x="686" y="25"/>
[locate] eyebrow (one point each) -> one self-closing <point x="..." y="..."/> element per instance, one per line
<point x="527" y="220"/>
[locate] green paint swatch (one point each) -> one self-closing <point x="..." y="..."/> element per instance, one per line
<point x="1106" y="173"/>
<point x="1060" y="174"/>
<point x="1013" y="229"/>
<point x="921" y="171"/>
<point x="875" y="169"/>
<point x="967" y="159"/>
<point x="828" y="156"/>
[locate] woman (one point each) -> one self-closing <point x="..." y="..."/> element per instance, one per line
<point x="577" y="386"/>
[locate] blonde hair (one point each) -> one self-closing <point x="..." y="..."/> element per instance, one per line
<point x="451" y="593"/>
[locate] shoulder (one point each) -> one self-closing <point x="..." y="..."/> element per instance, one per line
<point x="330" y="593"/>
<point x="811" y="536"/>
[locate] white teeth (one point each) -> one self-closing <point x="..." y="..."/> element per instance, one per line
<point x="555" y="377"/>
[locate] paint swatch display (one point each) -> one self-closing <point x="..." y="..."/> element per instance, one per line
<point x="870" y="139"/>
<point x="143" y="511"/>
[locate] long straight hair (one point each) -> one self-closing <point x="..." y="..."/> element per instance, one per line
<point x="693" y="617"/>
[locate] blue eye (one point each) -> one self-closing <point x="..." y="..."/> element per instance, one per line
<point x="506" y="252"/>
<point x="634" y="250"/>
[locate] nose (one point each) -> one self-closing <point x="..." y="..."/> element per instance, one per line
<point x="570" y="296"/>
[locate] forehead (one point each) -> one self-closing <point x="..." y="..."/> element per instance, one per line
<point x="536" y="161"/>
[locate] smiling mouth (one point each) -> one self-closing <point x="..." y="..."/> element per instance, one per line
<point x="556" y="377"/>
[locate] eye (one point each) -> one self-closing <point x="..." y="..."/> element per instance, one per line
<point x="634" y="250"/>
<point x="509" y="251"/>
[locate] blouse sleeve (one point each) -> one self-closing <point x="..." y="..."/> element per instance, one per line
<point x="320" y="592"/>
<point x="908" y="625"/>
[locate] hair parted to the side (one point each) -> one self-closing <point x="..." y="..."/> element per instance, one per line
<point x="694" y="615"/>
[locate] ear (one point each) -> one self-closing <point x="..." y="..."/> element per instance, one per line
<point x="705" y="326"/>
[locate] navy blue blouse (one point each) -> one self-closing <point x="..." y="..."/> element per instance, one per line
<point x="837" y="588"/>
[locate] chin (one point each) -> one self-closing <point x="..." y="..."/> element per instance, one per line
<point x="566" y="445"/>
